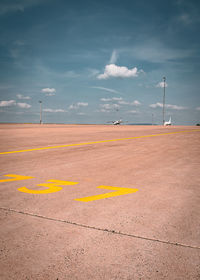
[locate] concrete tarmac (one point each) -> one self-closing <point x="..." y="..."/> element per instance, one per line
<point x="57" y="223"/>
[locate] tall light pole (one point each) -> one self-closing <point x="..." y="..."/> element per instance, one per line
<point x="152" y="119"/>
<point x="164" y="79"/>
<point x="40" y="112"/>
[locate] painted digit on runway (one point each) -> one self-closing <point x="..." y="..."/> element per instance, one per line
<point x="118" y="191"/>
<point x="52" y="186"/>
<point x="15" y="178"/>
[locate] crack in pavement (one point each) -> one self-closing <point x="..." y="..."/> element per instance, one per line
<point x="100" y="229"/>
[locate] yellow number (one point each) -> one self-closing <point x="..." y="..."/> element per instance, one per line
<point x="15" y="178"/>
<point x="118" y="191"/>
<point x="53" y="186"/>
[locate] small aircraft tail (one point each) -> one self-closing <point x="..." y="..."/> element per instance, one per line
<point x="169" y="122"/>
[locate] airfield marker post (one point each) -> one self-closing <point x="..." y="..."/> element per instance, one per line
<point x="164" y="79"/>
<point x="40" y="112"/>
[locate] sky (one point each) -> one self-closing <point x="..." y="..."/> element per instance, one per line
<point x="96" y="61"/>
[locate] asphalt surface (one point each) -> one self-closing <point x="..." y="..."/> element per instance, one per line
<point x="76" y="205"/>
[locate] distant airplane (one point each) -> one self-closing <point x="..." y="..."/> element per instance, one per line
<point x="169" y="122"/>
<point x="116" y="122"/>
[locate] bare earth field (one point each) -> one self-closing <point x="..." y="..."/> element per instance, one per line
<point x="84" y="207"/>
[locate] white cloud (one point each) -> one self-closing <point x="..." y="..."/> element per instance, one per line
<point x="136" y="103"/>
<point x="117" y="98"/>
<point x="20" y="96"/>
<point x="161" y="85"/>
<point x="107" y="89"/>
<point x="133" y="112"/>
<point x="7" y="103"/>
<point x="14" y="103"/>
<point x="111" y="99"/>
<point x="156" y="105"/>
<point x="110" y="106"/>
<point x="114" y="57"/>
<point x="106" y="99"/>
<point x="54" y="110"/>
<point x="81" y="114"/>
<point x="48" y="90"/>
<point x="122" y="102"/>
<point x="115" y="71"/>
<point x="175" y="107"/>
<point x="169" y="106"/>
<point x="24" y="105"/>
<point x="78" y="105"/>
<point x="50" y="94"/>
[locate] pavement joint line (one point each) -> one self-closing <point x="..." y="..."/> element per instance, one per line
<point x="96" y="142"/>
<point x="100" y="229"/>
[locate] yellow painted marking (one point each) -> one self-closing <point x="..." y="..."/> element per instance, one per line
<point x="15" y="178"/>
<point x="96" y="142"/>
<point x="118" y="191"/>
<point x="52" y="187"/>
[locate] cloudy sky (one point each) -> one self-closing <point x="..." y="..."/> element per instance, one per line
<point x="95" y="61"/>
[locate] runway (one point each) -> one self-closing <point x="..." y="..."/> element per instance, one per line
<point x="99" y="202"/>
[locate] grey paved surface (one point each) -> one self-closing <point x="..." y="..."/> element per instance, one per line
<point x="153" y="233"/>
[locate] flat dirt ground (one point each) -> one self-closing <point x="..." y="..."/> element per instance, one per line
<point x="75" y="205"/>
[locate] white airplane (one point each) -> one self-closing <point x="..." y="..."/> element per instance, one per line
<point x="116" y="122"/>
<point x="169" y="122"/>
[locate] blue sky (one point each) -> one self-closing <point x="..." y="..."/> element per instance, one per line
<point x="97" y="61"/>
